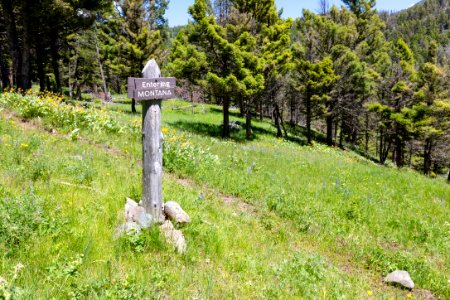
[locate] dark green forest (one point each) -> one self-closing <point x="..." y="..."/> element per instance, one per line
<point x="347" y="76"/>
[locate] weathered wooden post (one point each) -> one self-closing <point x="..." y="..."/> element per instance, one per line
<point x="152" y="88"/>
<point x="152" y="150"/>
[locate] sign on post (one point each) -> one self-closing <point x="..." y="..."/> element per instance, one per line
<point x="153" y="88"/>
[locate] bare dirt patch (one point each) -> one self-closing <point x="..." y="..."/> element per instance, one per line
<point x="423" y="294"/>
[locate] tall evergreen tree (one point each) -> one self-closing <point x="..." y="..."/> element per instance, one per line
<point x="235" y="63"/>
<point x="394" y="103"/>
<point x="132" y="33"/>
<point x="432" y="95"/>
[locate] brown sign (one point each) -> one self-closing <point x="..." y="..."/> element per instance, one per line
<point x="153" y="88"/>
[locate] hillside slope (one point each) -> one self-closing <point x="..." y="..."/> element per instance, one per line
<point x="271" y="218"/>
<point x="420" y="24"/>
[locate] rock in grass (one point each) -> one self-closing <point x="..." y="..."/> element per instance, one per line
<point x="143" y="219"/>
<point x="130" y="208"/>
<point x="174" y="236"/>
<point x="400" y="277"/>
<point x="136" y="213"/>
<point x="174" y="212"/>
<point x="128" y="228"/>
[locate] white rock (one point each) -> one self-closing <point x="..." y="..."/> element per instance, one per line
<point x="143" y="219"/>
<point x="129" y="228"/>
<point x="131" y="202"/>
<point x="136" y="213"/>
<point x="174" y="212"/>
<point x="130" y="206"/>
<point x="400" y="277"/>
<point x="174" y="236"/>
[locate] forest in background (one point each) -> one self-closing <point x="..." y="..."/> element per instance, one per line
<point x="374" y="82"/>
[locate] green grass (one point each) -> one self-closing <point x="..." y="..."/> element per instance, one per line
<point x="270" y="218"/>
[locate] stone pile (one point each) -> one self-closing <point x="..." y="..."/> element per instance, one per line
<point x="137" y="219"/>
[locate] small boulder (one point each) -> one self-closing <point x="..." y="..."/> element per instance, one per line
<point x="130" y="207"/>
<point x="174" y="212"/>
<point x="136" y="213"/>
<point x="142" y="218"/>
<point x="174" y="236"/>
<point x="400" y="277"/>
<point x="128" y="228"/>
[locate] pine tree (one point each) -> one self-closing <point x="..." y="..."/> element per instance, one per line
<point x="394" y="103"/>
<point x="431" y="119"/>
<point x="316" y="79"/>
<point x="187" y="63"/>
<point x="234" y="69"/>
<point x="277" y="55"/>
<point x="132" y="32"/>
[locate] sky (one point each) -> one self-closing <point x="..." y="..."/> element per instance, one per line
<point x="177" y="12"/>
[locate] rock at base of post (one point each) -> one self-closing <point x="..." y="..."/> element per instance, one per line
<point x="174" y="236"/>
<point x="128" y="228"/>
<point x="137" y="219"/>
<point x="136" y="213"/>
<point x="174" y="212"/>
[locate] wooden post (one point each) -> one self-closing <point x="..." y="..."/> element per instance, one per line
<point x="152" y="150"/>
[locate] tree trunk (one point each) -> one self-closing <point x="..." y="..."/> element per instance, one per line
<point x="226" y="117"/>
<point x="76" y="83"/>
<point x="4" y="69"/>
<point x="398" y="151"/>
<point x="308" y="118"/>
<point x="336" y="125"/>
<point x="282" y="123"/>
<point x="69" y="83"/>
<point x="40" y="66"/>
<point x="13" y="38"/>
<point x="410" y="154"/>
<point x="376" y="145"/>
<point x="427" y="156"/>
<point x="355" y="133"/>
<point x="48" y="83"/>
<point x="261" y="113"/>
<point x="133" y="106"/>
<point x="448" y="178"/>
<point x="276" y="115"/>
<point x="55" y="65"/>
<point x="242" y="107"/>
<point x="102" y="74"/>
<point x="248" y="124"/>
<point x="293" y="106"/>
<point x="26" y="48"/>
<point x="191" y="94"/>
<point x="367" y="133"/>
<point x="329" y="129"/>
<point x="381" y="145"/>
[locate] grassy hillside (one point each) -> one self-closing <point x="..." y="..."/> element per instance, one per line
<point x="271" y="218"/>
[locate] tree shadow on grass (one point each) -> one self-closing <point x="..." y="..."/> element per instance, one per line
<point x="232" y="113"/>
<point x="213" y="130"/>
<point x="296" y="134"/>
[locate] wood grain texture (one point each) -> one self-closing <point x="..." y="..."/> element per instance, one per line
<point x="152" y="151"/>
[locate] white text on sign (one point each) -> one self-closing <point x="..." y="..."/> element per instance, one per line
<point x="156" y="85"/>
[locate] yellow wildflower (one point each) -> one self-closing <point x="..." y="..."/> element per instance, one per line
<point x="369" y="293"/>
<point x="23" y="145"/>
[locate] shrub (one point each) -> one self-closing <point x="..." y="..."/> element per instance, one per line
<point x="51" y="108"/>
